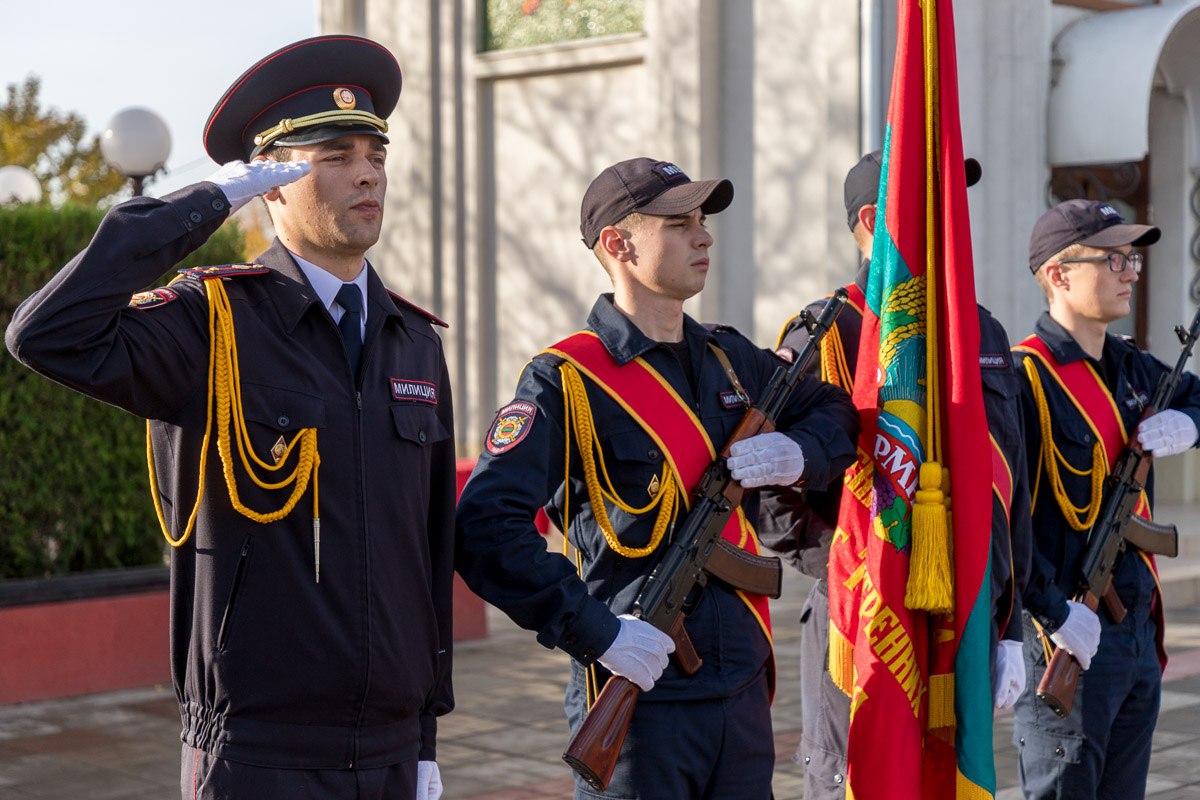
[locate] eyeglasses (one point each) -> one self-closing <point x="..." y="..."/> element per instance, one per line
<point x="1117" y="262"/>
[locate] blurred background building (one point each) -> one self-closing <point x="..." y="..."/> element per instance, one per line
<point x="510" y="108"/>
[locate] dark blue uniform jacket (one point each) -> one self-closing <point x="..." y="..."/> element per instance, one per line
<point x="1132" y="376"/>
<point x="271" y="668"/>
<point x="504" y="559"/>
<point x="800" y="526"/>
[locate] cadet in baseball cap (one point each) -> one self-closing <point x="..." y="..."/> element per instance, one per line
<point x="1094" y="223"/>
<point x="862" y="183"/>
<point x="311" y="91"/>
<point x="649" y="187"/>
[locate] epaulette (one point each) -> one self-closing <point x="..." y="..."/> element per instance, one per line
<point x="224" y="271"/>
<point x="426" y="314"/>
<point x="721" y="327"/>
<point x="152" y="298"/>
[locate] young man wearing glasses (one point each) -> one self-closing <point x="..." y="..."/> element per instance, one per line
<point x="1082" y="391"/>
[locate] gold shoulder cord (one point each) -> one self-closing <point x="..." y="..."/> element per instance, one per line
<point x="577" y="420"/>
<point x="1080" y="519"/>
<point x="834" y="368"/>
<point x="225" y="393"/>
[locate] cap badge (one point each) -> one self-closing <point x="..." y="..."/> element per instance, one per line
<point x="344" y="98"/>
<point x="668" y="172"/>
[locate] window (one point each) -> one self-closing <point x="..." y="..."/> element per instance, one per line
<point x="509" y="24"/>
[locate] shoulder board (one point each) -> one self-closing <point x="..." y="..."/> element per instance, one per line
<point x="427" y="315"/>
<point x="224" y="271"/>
<point x="553" y="360"/>
<point x="721" y="327"/>
<point x="153" y="298"/>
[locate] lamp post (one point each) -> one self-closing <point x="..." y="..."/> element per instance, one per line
<point x="18" y="185"/>
<point x="136" y="143"/>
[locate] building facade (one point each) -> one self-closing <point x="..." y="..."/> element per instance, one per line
<point x="510" y="107"/>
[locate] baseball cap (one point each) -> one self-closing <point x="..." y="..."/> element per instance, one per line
<point x="1094" y="223"/>
<point x="647" y="186"/>
<point x="862" y="182"/>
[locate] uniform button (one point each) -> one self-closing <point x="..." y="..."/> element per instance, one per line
<point x="837" y="778"/>
<point x="283" y="420"/>
<point x="1058" y="751"/>
<point x="196" y="217"/>
<point x="1087" y="437"/>
<point x="807" y="760"/>
<point x="589" y="653"/>
<point x="218" y="204"/>
<point x="1021" y="741"/>
<point x="652" y="454"/>
<point x="421" y="437"/>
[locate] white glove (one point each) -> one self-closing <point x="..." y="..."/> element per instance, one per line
<point x="766" y="459"/>
<point x="639" y="652"/>
<point x="1167" y="433"/>
<point x="1080" y="634"/>
<point x="1010" y="674"/>
<point x="241" y="181"/>
<point x="429" y="781"/>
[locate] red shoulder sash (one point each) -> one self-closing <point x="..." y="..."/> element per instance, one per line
<point x="666" y="418"/>
<point x="1087" y="392"/>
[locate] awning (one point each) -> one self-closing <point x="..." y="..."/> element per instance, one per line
<point x="1103" y="71"/>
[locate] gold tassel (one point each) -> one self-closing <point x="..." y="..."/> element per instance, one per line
<point x="941" y="705"/>
<point x="930" y="581"/>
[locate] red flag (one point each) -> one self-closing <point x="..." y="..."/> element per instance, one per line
<point x="909" y="603"/>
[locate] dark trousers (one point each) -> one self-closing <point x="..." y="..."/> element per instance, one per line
<point x="691" y="750"/>
<point x="1102" y="749"/>
<point x="825" y="709"/>
<point x="204" y="776"/>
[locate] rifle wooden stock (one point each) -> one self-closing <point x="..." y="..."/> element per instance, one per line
<point x="686" y="657"/>
<point x="593" y="750"/>
<point x="746" y="571"/>
<point x="1057" y="687"/>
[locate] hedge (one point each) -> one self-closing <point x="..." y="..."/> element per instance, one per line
<point x="74" y="493"/>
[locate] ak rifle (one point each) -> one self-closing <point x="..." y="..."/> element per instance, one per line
<point x="1116" y="527"/>
<point x="697" y="552"/>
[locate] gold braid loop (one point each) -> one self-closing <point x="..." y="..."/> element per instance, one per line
<point x="578" y="419"/>
<point x="225" y="393"/>
<point x="1079" y="518"/>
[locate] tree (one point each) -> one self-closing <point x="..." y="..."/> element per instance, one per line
<point x="52" y="145"/>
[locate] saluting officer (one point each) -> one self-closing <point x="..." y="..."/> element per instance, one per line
<point x="1082" y="390"/>
<point x="310" y="631"/>
<point x="800" y="524"/>
<point x="602" y="427"/>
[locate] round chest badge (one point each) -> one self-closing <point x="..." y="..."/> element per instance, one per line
<point x="512" y="424"/>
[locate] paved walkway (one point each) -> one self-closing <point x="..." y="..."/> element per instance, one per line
<point x="504" y="741"/>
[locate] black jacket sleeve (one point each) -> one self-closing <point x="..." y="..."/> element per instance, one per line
<point x="500" y="553"/>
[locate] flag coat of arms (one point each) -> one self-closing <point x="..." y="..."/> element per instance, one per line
<point x="910" y="602"/>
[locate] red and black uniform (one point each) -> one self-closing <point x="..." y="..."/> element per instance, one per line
<point x="702" y="735"/>
<point x="272" y="668"/>
<point x="1103" y="747"/>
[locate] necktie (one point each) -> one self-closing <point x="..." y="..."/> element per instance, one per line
<point x="350" y="299"/>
